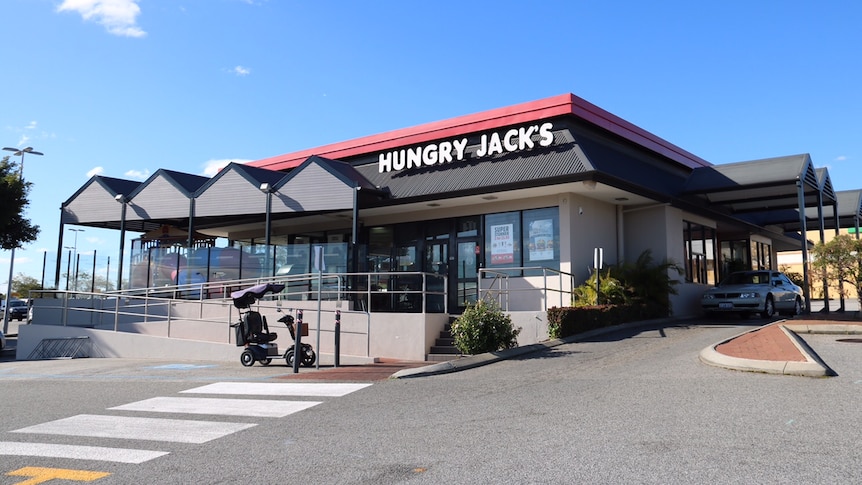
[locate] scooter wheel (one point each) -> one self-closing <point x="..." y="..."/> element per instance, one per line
<point x="265" y="361"/>
<point x="288" y="357"/>
<point x="247" y="358"/>
<point x="309" y="358"/>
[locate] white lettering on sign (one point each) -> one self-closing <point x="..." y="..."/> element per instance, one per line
<point x="445" y="152"/>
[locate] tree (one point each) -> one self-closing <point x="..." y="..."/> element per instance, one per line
<point x="23" y="284"/>
<point x="15" y="229"/>
<point x="86" y="283"/>
<point x="841" y="260"/>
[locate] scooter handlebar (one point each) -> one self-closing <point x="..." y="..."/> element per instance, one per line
<point x="286" y="319"/>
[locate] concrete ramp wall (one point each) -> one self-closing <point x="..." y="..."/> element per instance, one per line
<point x="107" y="343"/>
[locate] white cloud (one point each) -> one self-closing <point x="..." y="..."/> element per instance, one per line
<point x="31" y="126"/>
<point x="212" y="167"/>
<point x="117" y="16"/>
<point x="95" y="171"/>
<point x="241" y="71"/>
<point x="20" y="258"/>
<point x="841" y="158"/>
<point x="23" y="140"/>
<point x="137" y="174"/>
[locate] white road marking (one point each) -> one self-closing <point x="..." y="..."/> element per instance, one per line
<point x="152" y="429"/>
<point x="98" y="453"/>
<point x="223" y="407"/>
<point x="279" y="389"/>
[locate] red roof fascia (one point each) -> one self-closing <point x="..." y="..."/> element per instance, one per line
<point x="488" y="120"/>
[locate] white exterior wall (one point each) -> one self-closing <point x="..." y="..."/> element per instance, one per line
<point x="592" y="224"/>
<point x="660" y="228"/>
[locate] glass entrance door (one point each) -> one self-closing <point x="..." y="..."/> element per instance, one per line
<point x="464" y="288"/>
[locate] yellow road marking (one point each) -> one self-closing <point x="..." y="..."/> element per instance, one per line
<point x="41" y="475"/>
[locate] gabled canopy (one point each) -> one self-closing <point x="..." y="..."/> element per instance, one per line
<point x="96" y="204"/>
<point x="234" y="191"/>
<point x="320" y="184"/>
<point x="760" y="185"/>
<point x="848" y="207"/>
<point x="164" y="197"/>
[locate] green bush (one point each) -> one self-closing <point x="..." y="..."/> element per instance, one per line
<point x="649" y="283"/>
<point x="483" y="327"/>
<point x="613" y="292"/>
<point x="567" y="321"/>
<point x="643" y="282"/>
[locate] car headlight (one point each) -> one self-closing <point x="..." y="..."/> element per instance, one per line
<point x="749" y="295"/>
<point x="708" y="296"/>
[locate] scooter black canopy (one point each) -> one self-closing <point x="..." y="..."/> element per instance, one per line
<point x="244" y="298"/>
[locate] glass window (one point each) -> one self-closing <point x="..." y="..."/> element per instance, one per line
<point x="541" y="237"/>
<point x="468" y="226"/>
<point x="761" y="255"/>
<point x="380" y="243"/>
<point x="529" y="238"/>
<point x="699" y="247"/>
<point x="503" y="240"/>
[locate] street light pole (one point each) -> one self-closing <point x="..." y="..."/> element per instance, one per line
<point x="18" y="152"/>
<point x="68" y="266"/>
<point x="122" y="200"/>
<point x="267" y="189"/>
<point x="77" y="256"/>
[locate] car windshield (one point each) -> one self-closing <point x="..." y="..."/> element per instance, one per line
<point x="16" y="303"/>
<point x="755" y="278"/>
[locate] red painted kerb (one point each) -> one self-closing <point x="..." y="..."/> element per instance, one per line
<point x="565" y="104"/>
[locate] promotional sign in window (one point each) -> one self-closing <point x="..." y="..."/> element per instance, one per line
<point x="541" y="246"/>
<point x="502" y="244"/>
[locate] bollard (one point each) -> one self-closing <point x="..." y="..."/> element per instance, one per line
<point x="337" y="337"/>
<point x="297" y="343"/>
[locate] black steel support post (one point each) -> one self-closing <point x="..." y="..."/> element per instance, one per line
<point x="297" y="343"/>
<point x="337" y="338"/>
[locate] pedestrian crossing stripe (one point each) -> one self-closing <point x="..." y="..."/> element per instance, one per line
<point x="75" y="452"/>
<point x="313" y="389"/>
<point x="218" y="406"/>
<point x="151" y="429"/>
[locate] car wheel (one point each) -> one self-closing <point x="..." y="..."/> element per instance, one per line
<point x="797" y="307"/>
<point x="768" y="308"/>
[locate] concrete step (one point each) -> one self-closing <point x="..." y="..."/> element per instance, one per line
<point x="442" y="357"/>
<point x="444" y="349"/>
<point x="445" y="342"/>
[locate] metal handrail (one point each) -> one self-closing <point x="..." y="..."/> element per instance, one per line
<point x="503" y="276"/>
<point x="165" y="297"/>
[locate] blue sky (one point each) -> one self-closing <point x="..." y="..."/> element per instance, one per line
<point x="125" y="87"/>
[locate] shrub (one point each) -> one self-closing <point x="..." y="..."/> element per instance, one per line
<point x="649" y="283"/>
<point x="643" y="283"/>
<point x="612" y="291"/>
<point x="566" y="321"/>
<point x="483" y="327"/>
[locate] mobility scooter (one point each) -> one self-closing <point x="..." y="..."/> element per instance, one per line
<point x="253" y="333"/>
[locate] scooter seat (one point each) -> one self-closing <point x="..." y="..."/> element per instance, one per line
<point x="263" y="338"/>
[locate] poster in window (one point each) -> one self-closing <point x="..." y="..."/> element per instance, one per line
<point x="502" y="244"/>
<point x="541" y="245"/>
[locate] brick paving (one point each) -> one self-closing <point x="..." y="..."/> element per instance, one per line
<point x="378" y="371"/>
<point x="767" y="343"/>
<point x="771" y="343"/>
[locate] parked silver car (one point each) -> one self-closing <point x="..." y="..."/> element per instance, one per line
<point x="747" y="292"/>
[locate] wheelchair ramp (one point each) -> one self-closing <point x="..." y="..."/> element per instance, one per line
<point x="61" y="348"/>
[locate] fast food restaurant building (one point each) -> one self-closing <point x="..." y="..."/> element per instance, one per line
<point x="514" y="202"/>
